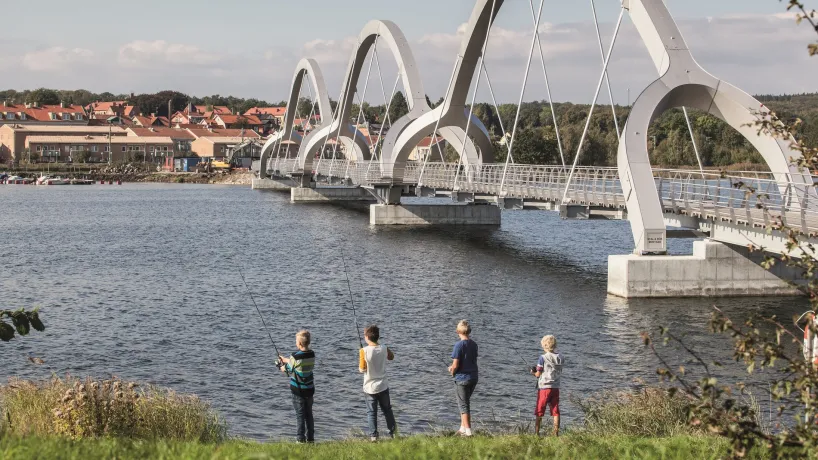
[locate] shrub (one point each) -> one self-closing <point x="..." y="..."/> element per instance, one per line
<point x="92" y="408"/>
<point x="649" y="412"/>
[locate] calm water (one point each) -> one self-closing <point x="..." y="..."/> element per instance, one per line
<point x="142" y="281"/>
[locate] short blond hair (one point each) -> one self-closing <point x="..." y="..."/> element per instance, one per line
<point x="302" y="338"/>
<point x="463" y="327"/>
<point x="549" y="343"/>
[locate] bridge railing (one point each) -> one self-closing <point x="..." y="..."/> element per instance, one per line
<point x="735" y="196"/>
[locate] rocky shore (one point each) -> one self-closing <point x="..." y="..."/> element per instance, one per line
<point x="138" y="173"/>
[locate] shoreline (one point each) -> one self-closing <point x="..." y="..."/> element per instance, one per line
<point x="241" y="177"/>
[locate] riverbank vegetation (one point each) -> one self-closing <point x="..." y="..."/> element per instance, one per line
<point x="572" y="445"/>
<point x="73" y="418"/>
<point x="75" y="409"/>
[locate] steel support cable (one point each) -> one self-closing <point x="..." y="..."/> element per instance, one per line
<point x="343" y="103"/>
<point x="607" y="78"/>
<point x="388" y="105"/>
<point x="362" y="98"/>
<point x="593" y="105"/>
<point x="473" y="98"/>
<point x="494" y="101"/>
<point x="326" y="139"/>
<point x="548" y="87"/>
<point x="437" y="123"/>
<point x="522" y="94"/>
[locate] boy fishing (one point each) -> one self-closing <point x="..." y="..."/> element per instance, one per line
<point x="300" y="366"/>
<point x="372" y="361"/>
<point x="548" y="372"/>
<point x="464" y="371"/>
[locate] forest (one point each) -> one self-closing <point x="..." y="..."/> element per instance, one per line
<point x="536" y="140"/>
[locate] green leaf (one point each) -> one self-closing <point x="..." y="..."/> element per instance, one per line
<point x="34" y="318"/>
<point x="21" y="323"/>
<point x="6" y="331"/>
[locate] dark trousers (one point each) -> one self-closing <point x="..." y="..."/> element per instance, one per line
<point x="465" y="388"/>
<point x="303" y="414"/>
<point x="372" y="403"/>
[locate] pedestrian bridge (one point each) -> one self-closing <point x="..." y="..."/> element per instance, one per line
<point x="739" y="208"/>
<point x="335" y="161"/>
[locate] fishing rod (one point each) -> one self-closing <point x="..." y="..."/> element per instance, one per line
<point x="352" y="301"/>
<point x="275" y="347"/>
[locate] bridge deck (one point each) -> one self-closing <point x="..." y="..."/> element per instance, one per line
<point x="753" y="199"/>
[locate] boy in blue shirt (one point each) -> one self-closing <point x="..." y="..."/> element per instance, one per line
<point x="300" y="365"/>
<point x="464" y="371"/>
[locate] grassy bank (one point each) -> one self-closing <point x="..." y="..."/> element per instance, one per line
<point x="574" y="446"/>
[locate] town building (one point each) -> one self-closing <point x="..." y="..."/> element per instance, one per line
<point x="182" y="138"/>
<point x="13" y="137"/>
<point x="34" y="114"/>
<point x="95" y="149"/>
<point x="428" y="147"/>
<point x="106" y="110"/>
<point x="239" y="122"/>
<point x="222" y="148"/>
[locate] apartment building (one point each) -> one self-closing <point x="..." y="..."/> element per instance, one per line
<point x="91" y="149"/>
<point x="13" y="137"/>
<point x="34" y="114"/>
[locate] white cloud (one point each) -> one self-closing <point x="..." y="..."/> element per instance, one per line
<point x="56" y="59"/>
<point x="145" y="54"/>
<point x="760" y="54"/>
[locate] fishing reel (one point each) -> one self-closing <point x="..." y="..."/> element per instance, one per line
<point x="279" y="364"/>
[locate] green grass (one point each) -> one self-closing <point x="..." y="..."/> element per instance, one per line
<point x="573" y="446"/>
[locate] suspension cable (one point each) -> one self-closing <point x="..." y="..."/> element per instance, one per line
<point x="522" y="94"/>
<point x="387" y="105"/>
<point x="437" y="123"/>
<point x="496" y="106"/>
<point x="693" y="140"/>
<point x="473" y="97"/>
<point x="343" y="103"/>
<point x="361" y="99"/>
<point x="548" y="89"/>
<point x="607" y="78"/>
<point x="593" y="104"/>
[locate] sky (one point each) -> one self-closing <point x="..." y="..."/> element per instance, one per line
<point x="249" y="48"/>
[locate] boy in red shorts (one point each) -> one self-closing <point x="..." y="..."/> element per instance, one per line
<point x="548" y="372"/>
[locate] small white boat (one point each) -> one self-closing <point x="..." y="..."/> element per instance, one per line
<point x="17" y="180"/>
<point x="48" y="180"/>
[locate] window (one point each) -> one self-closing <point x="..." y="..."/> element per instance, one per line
<point x="165" y="148"/>
<point x="10" y="116"/>
<point x="94" y="148"/>
<point x="221" y="149"/>
<point x="105" y="148"/>
<point x="39" y="148"/>
<point x="67" y="148"/>
<point x="66" y="116"/>
<point x="79" y="116"/>
<point x="123" y="148"/>
<point x="22" y="115"/>
<point x="52" y="115"/>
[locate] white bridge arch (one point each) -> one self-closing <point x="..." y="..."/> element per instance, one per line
<point x="681" y="83"/>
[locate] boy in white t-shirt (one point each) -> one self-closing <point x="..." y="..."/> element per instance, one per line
<point x="548" y="372"/>
<point x="372" y="363"/>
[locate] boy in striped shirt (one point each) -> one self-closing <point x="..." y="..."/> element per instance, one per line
<point x="300" y="365"/>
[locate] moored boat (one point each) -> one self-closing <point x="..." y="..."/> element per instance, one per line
<point x="17" y="180"/>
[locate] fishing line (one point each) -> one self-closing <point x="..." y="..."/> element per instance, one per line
<point x="278" y="354"/>
<point x="352" y="301"/>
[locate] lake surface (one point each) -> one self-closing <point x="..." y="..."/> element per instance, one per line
<point x="142" y="281"/>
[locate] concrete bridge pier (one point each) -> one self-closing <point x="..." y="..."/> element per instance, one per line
<point x="390" y="210"/>
<point x="714" y="270"/>
<point x="271" y="184"/>
<point x="329" y="194"/>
